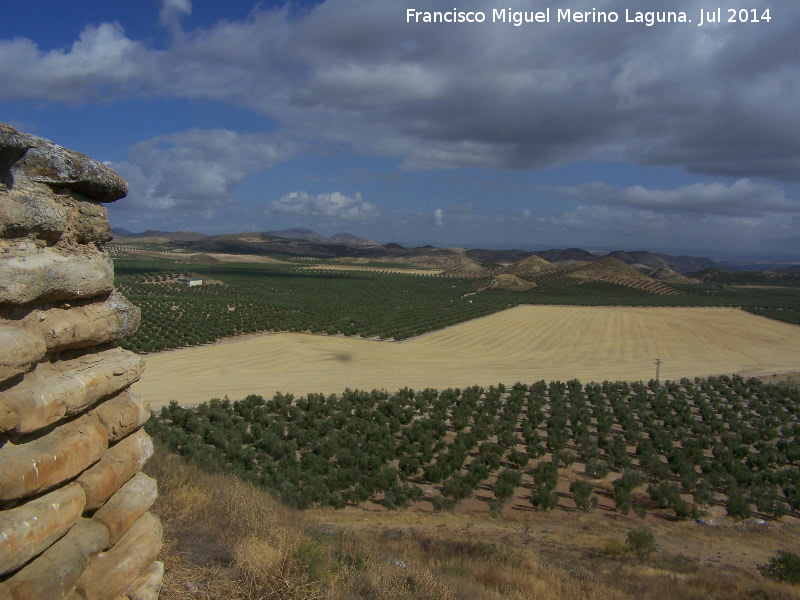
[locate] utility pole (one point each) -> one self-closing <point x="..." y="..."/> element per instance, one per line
<point x="658" y="370"/>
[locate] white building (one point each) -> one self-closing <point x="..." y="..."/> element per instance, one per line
<point x="190" y="281"/>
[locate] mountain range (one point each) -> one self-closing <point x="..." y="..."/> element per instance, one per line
<point x="306" y="242"/>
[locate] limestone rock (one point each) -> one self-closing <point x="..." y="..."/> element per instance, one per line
<point x="123" y="414"/>
<point x="90" y="325"/>
<point x="53" y="574"/>
<point x="148" y="585"/>
<point x="37" y="212"/>
<point x="21" y="349"/>
<point x="53" y="391"/>
<point x="118" y="465"/>
<point x="34" y="208"/>
<point x="113" y="572"/>
<point x="42" y="463"/>
<point x="89" y="222"/>
<point x="31" y="273"/>
<point x="45" y="162"/>
<point x="32" y="528"/>
<point x="125" y="507"/>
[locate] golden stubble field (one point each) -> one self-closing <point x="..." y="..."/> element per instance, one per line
<point x="526" y="343"/>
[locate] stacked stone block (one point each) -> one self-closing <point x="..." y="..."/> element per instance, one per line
<point x="74" y="520"/>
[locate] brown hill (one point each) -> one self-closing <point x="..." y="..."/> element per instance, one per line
<point x="456" y="265"/>
<point x="671" y="277"/>
<point x="529" y="267"/>
<point x="615" y="271"/>
<point x="511" y="283"/>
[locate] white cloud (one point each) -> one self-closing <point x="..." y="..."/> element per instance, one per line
<point x="334" y="205"/>
<point x="438" y="217"/>
<point x="102" y="62"/>
<point x="171" y="13"/>
<point x="196" y="169"/>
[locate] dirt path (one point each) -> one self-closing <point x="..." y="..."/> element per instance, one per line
<point x="526" y="343"/>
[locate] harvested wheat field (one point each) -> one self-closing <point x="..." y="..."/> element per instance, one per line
<point x="526" y="343"/>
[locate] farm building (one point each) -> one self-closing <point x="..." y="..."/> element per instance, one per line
<point x="190" y="281"/>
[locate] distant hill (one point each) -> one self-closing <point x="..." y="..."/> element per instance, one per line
<point x="615" y="271"/>
<point x="556" y="256"/>
<point x="794" y="269"/>
<point x="529" y="266"/>
<point x="298" y="233"/>
<point x="307" y="242"/>
<point x="510" y="283"/>
<point x="681" y="264"/>
<point x="497" y="257"/>
<point x="347" y="239"/>
<point x="640" y="259"/>
<point x="671" y="277"/>
<point x="172" y="236"/>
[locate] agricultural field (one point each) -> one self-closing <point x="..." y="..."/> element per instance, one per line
<point x="524" y="343"/>
<point x="717" y="447"/>
<point x="250" y="297"/>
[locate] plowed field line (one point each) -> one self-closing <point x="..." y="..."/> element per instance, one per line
<point x="526" y="343"/>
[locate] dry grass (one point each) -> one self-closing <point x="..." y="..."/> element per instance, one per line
<point x="228" y="540"/>
<point x="526" y="343"/>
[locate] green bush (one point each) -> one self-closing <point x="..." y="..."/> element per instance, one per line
<point x="641" y="542"/>
<point x="784" y="566"/>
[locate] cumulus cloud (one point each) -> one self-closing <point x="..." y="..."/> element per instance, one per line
<point x="103" y="62"/>
<point x="714" y="100"/>
<point x="196" y="169"/>
<point x="334" y="205"/>
<point x="438" y="217"/>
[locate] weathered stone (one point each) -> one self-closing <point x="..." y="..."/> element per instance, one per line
<point x="58" y="320"/>
<point x="38" y="465"/>
<point x="53" y="574"/>
<point x="32" y="528"/>
<point x="34" y="208"/>
<point x="20" y="349"/>
<point x="56" y="390"/>
<point x="123" y="414"/>
<point x="112" y="572"/>
<point x="89" y="325"/>
<point x="37" y="212"/>
<point x="45" y="162"/>
<point x="43" y="274"/>
<point x="13" y="146"/>
<point x="118" y="465"/>
<point x="89" y="223"/>
<point x="148" y="585"/>
<point x="125" y="507"/>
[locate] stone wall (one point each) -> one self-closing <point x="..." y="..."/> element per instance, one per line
<point x="74" y="520"/>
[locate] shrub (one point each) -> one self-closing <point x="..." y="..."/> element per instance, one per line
<point x="614" y="547"/>
<point x="641" y="542"/>
<point x="784" y="566"/>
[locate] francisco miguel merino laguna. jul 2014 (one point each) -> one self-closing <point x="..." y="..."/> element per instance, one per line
<point x="566" y="15"/>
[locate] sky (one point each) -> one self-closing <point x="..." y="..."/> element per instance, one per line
<point x="351" y="116"/>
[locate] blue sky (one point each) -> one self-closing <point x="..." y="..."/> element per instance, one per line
<point x="341" y="116"/>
